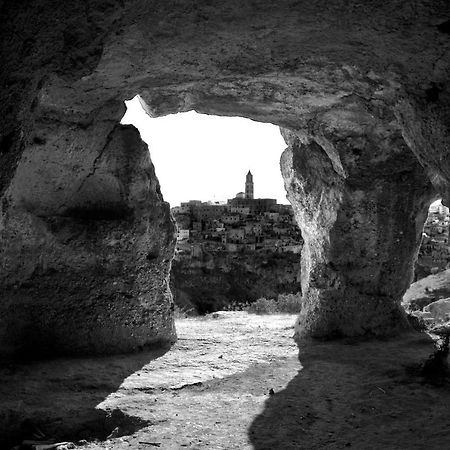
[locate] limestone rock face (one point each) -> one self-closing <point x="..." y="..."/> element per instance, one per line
<point x="216" y="280"/>
<point x="361" y="200"/>
<point x="439" y="309"/>
<point x="86" y="243"/>
<point x="361" y="90"/>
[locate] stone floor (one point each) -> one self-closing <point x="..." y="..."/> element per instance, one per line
<point x="235" y="381"/>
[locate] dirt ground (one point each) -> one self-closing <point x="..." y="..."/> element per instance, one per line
<point x="212" y="390"/>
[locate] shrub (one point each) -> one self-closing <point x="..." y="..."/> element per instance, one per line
<point x="181" y="312"/>
<point x="237" y="306"/>
<point x="262" y="306"/>
<point x="285" y="303"/>
<point x="289" y="303"/>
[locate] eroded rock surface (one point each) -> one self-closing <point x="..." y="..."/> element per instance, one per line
<point x="361" y="199"/>
<point x="427" y="290"/>
<point x="219" y="280"/>
<point x="86" y="243"/>
<point x="362" y="86"/>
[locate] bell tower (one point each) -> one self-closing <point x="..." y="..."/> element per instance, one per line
<point x="249" y="185"/>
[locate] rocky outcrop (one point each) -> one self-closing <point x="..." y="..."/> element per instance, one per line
<point x="361" y="200"/>
<point x="440" y="309"/>
<point x="360" y="88"/>
<point x="426" y="291"/>
<point x="86" y="243"/>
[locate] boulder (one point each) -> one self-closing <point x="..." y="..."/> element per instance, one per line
<point x="439" y="310"/>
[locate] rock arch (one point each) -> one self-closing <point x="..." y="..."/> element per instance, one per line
<point x="360" y="92"/>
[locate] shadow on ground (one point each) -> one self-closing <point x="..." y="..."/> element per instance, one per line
<point x="59" y="397"/>
<point x="366" y="395"/>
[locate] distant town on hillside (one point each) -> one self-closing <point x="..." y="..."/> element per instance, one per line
<point x="242" y="224"/>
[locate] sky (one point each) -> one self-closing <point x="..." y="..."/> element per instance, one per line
<point x="203" y="157"/>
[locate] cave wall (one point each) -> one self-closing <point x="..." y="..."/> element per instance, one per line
<point x="361" y="200"/>
<point x="302" y="65"/>
<point x="86" y="242"/>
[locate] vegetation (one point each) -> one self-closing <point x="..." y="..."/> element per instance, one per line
<point x="283" y="304"/>
<point x="182" y="312"/>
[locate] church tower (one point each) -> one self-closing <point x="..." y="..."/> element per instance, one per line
<point x="249" y="185"/>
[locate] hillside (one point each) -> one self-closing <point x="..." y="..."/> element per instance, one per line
<point x="217" y="279"/>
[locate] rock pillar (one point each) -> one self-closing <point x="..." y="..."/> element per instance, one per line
<point x="86" y="242"/>
<point x="360" y="198"/>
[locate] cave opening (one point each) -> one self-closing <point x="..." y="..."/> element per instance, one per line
<point x="205" y="157"/>
<point x="238" y="243"/>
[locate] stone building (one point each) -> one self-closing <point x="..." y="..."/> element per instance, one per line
<point x="255" y="205"/>
<point x="245" y="224"/>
